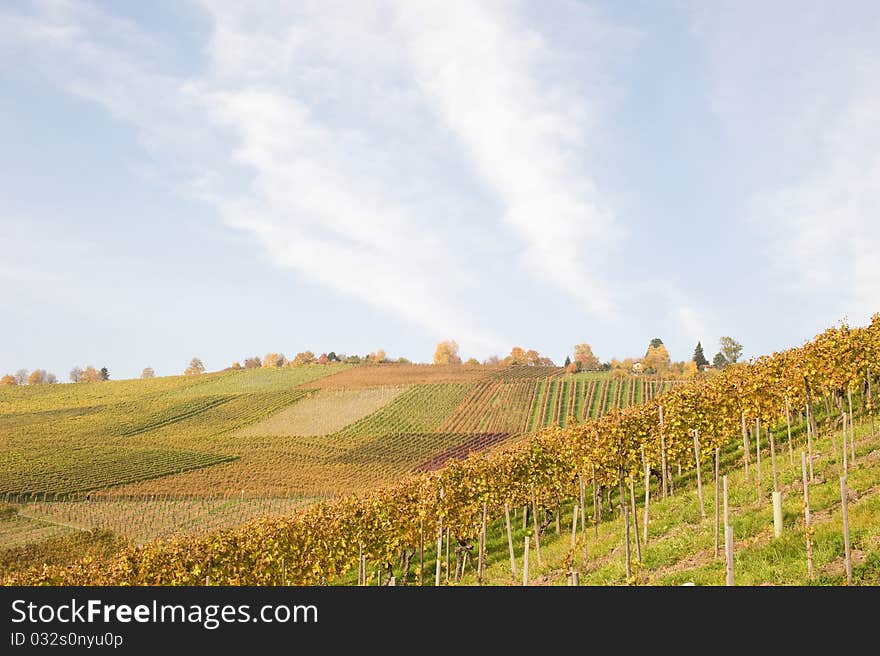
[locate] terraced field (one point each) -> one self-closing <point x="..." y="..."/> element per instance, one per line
<point x="324" y="412"/>
<point x="402" y="375"/>
<point x="494" y="406"/>
<point x="155" y="458"/>
<point x="421" y="409"/>
<point x="18" y="531"/>
<point x="529" y="404"/>
<point x="65" y="469"/>
<point x="142" y="520"/>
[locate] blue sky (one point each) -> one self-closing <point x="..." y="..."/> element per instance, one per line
<point x="203" y="179"/>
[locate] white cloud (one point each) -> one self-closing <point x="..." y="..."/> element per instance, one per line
<point x="826" y="224"/>
<point x="483" y="71"/>
<point x="319" y="198"/>
<point x="323" y="129"/>
<point x="693" y="326"/>
<point x="802" y="97"/>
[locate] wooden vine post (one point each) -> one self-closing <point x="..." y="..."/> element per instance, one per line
<point x="421" y="550"/>
<point x="810" y="443"/>
<point x="788" y="428"/>
<point x="510" y="541"/>
<point x="808" y="529"/>
<point x="597" y="509"/>
<point x="699" y="473"/>
<point x="635" y="519"/>
<point x="776" y="495"/>
<point x="447" y="554"/>
<point x="746" y="447"/>
<point x="624" y="515"/>
<point x="717" y="496"/>
<point x="847" y="556"/>
<point x="758" y="452"/>
<point x="870" y="401"/>
<point x="481" y="556"/>
<point x="647" y="496"/>
<point x="773" y="460"/>
<point x="664" y="474"/>
<point x="439" y="543"/>
<point x="535" y="524"/>
<point x="728" y="540"/>
<point x="852" y="427"/>
<point x="525" y="579"/>
<point x="583" y="515"/>
<point x="845" y="464"/>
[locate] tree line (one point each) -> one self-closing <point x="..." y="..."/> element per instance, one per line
<point x="655" y="361"/>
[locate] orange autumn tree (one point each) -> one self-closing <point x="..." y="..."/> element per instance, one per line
<point x="447" y="353"/>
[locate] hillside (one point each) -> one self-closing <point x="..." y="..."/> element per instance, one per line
<point x="190" y="454"/>
<point x="805" y="400"/>
<point x="680" y="545"/>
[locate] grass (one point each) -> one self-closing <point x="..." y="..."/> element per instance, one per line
<point x="680" y="544"/>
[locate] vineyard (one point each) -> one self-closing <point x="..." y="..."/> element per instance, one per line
<point x="750" y="419"/>
<point x="27" y="473"/>
<point x="160" y="517"/>
<point x="186" y="455"/>
<point x="404" y="375"/>
<point x="325" y="412"/>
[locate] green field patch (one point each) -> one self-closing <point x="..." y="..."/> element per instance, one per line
<point x="248" y="381"/>
<point x="62" y="470"/>
<point x="176" y="413"/>
<point x="420" y="409"/>
<point x="48" y="419"/>
<point x="241" y="411"/>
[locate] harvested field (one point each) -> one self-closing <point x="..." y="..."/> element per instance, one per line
<point x="324" y="412"/>
<point x="400" y="375"/>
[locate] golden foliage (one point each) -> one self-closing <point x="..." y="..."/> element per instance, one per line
<point x="324" y="541"/>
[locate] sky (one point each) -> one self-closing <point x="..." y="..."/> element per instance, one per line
<point x="223" y="179"/>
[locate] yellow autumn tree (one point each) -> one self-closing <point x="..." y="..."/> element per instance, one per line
<point x="657" y="361"/>
<point x="303" y="358"/>
<point x="8" y="380"/>
<point x="447" y="353"/>
<point x="274" y="360"/>
<point x="517" y="356"/>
